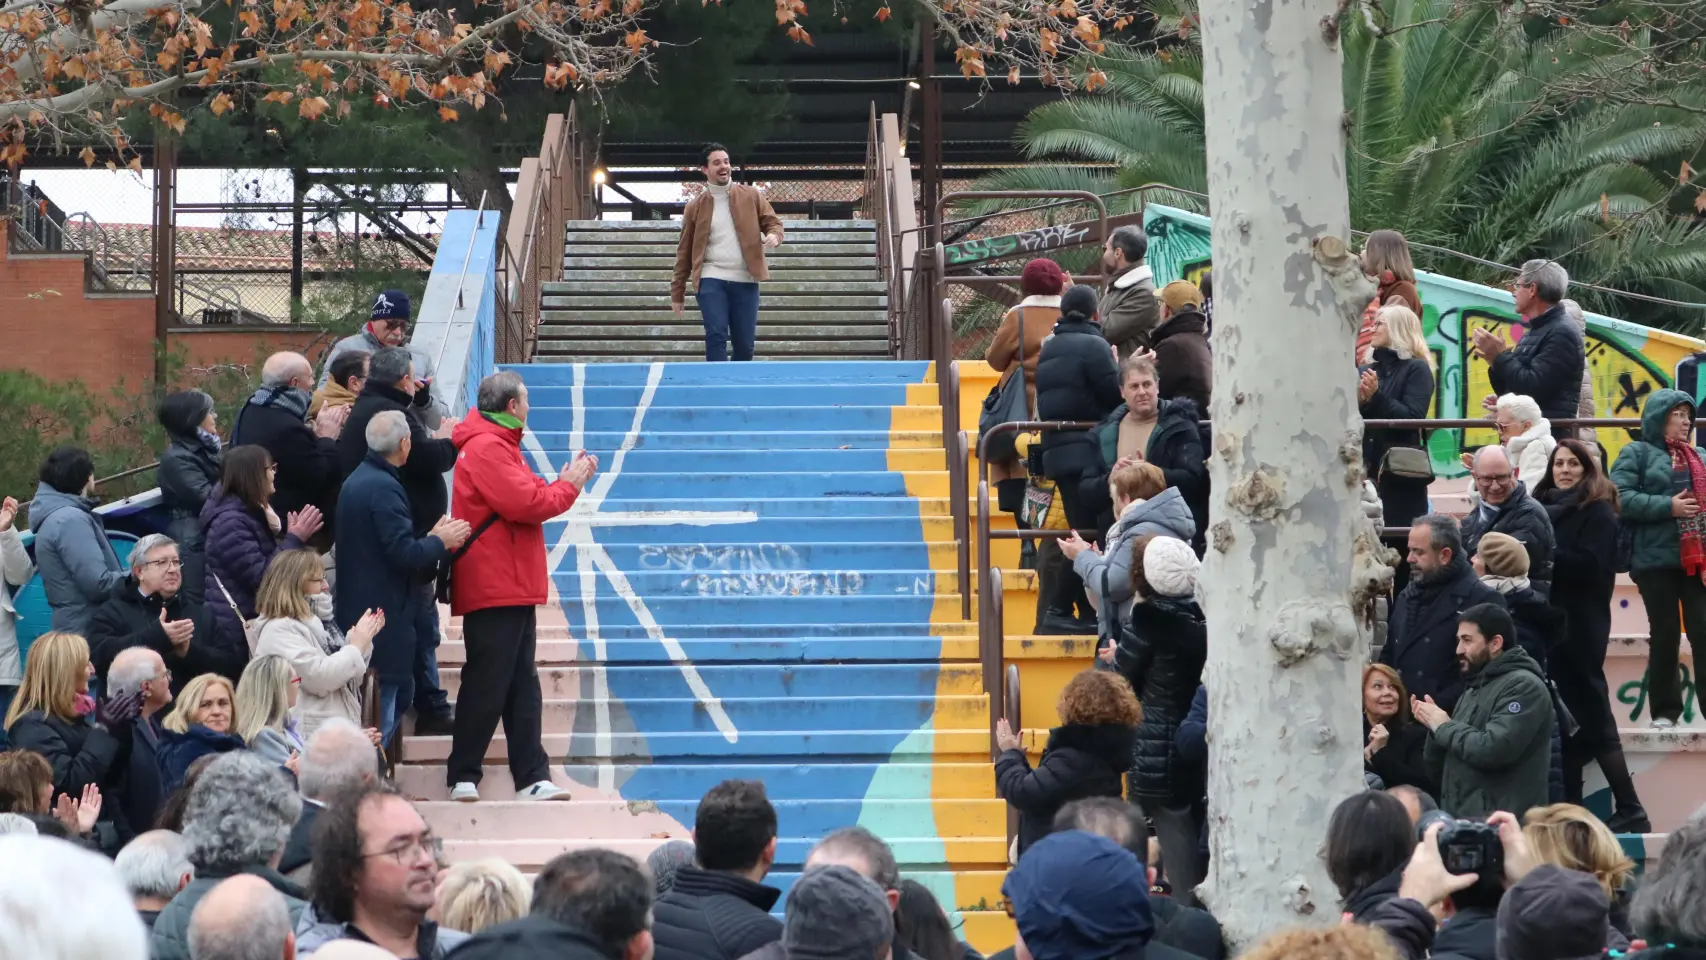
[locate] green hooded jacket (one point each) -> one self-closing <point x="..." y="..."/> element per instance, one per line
<point x="1495" y="753"/>
<point x="1642" y="474"/>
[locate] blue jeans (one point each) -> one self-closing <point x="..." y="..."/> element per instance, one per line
<point x="728" y="310"/>
<point x="430" y="699"/>
<point x="394" y="700"/>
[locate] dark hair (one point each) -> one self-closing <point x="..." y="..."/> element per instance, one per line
<point x="1119" y="820"/>
<point x="244" y="474"/>
<point x="171" y="816"/>
<point x="600" y="893"/>
<point x="67" y="469"/>
<point x="733" y="826"/>
<point x="389" y="365"/>
<point x="182" y="412"/>
<point x="1369" y="837"/>
<point x="710" y="148"/>
<point x="1078" y="304"/>
<point x="1130" y="241"/>
<point x="922" y="926"/>
<point x="335" y="850"/>
<point x="1594" y="484"/>
<point x="1205" y="283"/>
<point x="349" y="365"/>
<point x="1425" y="802"/>
<point x="876" y="853"/>
<point x="1493" y="620"/>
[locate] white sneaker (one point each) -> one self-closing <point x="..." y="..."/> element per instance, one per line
<point x="1662" y="723"/>
<point x="465" y="792"/>
<point x="543" y="790"/>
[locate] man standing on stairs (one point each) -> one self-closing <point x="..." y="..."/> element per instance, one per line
<point x="497" y="583"/>
<point x="724" y="233"/>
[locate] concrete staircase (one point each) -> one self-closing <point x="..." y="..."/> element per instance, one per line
<point x="824" y="300"/>
<point x="759" y="584"/>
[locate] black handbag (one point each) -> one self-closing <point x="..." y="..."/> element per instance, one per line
<point x="1007" y="402"/>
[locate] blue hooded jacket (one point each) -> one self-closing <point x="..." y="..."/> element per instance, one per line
<point x="1078" y="896"/>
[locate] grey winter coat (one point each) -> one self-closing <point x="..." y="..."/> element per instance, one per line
<point x="1495" y="753"/>
<point x="78" y="566"/>
<point x="1109" y="572"/>
<point x="433" y="942"/>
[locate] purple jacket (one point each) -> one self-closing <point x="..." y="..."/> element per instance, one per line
<point x="238" y="545"/>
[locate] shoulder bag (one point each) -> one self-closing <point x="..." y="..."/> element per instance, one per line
<point x="1008" y="402"/>
<point x="441" y="582"/>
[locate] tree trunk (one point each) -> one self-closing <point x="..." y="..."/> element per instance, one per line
<point x="1292" y="564"/>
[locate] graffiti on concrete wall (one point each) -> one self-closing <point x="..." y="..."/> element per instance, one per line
<point x="1627" y="362"/>
<point x="1030" y="241"/>
<point x="735" y="556"/>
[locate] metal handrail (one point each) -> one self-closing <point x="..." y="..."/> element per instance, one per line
<point x="989" y="656"/>
<point x="1012" y="708"/>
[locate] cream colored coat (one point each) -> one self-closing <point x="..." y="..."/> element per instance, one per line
<point x="331" y="685"/>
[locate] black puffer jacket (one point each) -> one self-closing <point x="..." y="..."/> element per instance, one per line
<point x="1077" y="379"/>
<point x="129" y="619"/>
<point x="1081" y="760"/>
<point x="1520" y="516"/>
<point x="1400" y="763"/>
<point x="189" y="470"/>
<point x="1161" y="653"/>
<point x="709" y="915"/>
<point x="1545" y="364"/>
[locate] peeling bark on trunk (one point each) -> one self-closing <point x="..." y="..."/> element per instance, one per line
<point x="1292" y="563"/>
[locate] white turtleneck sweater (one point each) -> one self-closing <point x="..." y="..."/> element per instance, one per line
<point x="723" y="259"/>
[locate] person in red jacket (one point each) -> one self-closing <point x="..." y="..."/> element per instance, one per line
<point x="496" y="584"/>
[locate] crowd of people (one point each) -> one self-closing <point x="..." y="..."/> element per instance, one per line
<point x="197" y="713"/>
<point x="234" y="632"/>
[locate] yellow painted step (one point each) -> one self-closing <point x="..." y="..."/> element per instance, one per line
<point x="1046" y="664"/>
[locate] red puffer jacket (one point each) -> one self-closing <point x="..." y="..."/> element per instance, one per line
<point x="506" y="566"/>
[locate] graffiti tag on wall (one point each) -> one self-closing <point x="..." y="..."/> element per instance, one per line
<point x="1634" y="694"/>
<point x="1031" y="241"/>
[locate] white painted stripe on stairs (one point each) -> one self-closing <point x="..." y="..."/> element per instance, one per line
<point x="591" y="559"/>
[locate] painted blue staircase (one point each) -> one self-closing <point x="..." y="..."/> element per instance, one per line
<point x="760" y="584"/>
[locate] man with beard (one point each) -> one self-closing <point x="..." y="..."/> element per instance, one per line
<point x="1128" y="309"/>
<point x="1421" y="639"/>
<point x="1496" y="752"/>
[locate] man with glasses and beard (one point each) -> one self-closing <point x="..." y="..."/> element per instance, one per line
<point x="1503" y="505"/>
<point x="1421" y="639"/>
<point x="376" y="866"/>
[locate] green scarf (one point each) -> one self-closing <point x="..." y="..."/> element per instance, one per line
<point x="503" y="420"/>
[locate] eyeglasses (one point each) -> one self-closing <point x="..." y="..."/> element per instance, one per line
<point x="170" y="563"/>
<point x="1502" y="478"/>
<point x="408" y="850"/>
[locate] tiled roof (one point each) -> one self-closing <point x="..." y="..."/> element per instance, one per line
<point x="224" y="248"/>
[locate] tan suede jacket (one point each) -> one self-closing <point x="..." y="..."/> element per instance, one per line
<point x="753" y="220"/>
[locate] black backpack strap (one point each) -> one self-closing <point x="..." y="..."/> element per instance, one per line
<point x="482" y="528"/>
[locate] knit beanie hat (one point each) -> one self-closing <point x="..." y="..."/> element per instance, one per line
<point x="1042" y="278"/>
<point x="1079" y="896"/>
<point x="1553" y="914"/>
<point x="834" y="913"/>
<point x="1170" y="566"/>
<point x="1503" y="555"/>
<point x="390" y="305"/>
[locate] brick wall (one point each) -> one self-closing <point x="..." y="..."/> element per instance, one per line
<point x="56" y="329"/>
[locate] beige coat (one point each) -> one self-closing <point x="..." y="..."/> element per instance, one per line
<point x="753" y="221"/>
<point x="331" y="685"/>
<point x="1041" y="314"/>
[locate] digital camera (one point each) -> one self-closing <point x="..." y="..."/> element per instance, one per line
<point x="1469" y="846"/>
